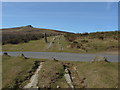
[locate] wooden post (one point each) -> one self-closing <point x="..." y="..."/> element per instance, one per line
<point x="45" y="37"/>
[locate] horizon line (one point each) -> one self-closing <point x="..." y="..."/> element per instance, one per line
<point x="60" y="29"/>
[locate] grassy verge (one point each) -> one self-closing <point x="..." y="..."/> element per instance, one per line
<point x="16" y="71"/>
<point x="80" y="45"/>
<point x="33" y="45"/>
<point x="98" y="74"/>
<point x="52" y="75"/>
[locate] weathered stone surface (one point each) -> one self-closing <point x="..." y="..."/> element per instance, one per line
<point x="54" y="59"/>
<point x="58" y="86"/>
<point x="5" y="53"/>
<point x="29" y="26"/>
<point x="34" y="79"/>
<point x="69" y="46"/>
<point x="22" y="55"/>
<point x="68" y="78"/>
<point x="100" y="58"/>
<point x="45" y="37"/>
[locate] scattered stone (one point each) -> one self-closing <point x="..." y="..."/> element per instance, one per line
<point x="22" y="55"/>
<point x="67" y="71"/>
<point x="100" y="58"/>
<point x="43" y="86"/>
<point x="59" y="44"/>
<point x="58" y="86"/>
<point x="73" y="78"/>
<point x="29" y="26"/>
<point x="111" y="40"/>
<point x="60" y="47"/>
<point x="68" y="46"/>
<point x="33" y="83"/>
<point x="68" y="78"/>
<point x="5" y="53"/>
<point x="75" y="68"/>
<point x="54" y="59"/>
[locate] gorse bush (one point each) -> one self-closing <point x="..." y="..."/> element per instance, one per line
<point x="97" y="35"/>
<point x="97" y="41"/>
<point x="25" y="34"/>
<point x="19" y="38"/>
<point x="15" y="38"/>
<point x="70" y="37"/>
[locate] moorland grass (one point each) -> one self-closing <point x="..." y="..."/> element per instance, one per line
<point x="51" y="75"/>
<point x="96" y="74"/>
<point x="92" y="46"/>
<point x="15" y="70"/>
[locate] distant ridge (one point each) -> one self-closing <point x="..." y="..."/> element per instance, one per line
<point x="30" y="28"/>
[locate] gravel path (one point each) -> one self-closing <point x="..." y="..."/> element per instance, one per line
<point x="51" y="42"/>
<point x="65" y="56"/>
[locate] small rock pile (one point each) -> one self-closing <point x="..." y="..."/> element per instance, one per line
<point x="6" y="54"/>
<point x="100" y="58"/>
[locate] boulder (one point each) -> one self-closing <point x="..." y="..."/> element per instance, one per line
<point x="58" y="86"/>
<point x="100" y="58"/>
<point x="29" y="26"/>
<point x="54" y="59"/>
<point x="22" y="55"/>
<point x="5" y="53"/>
<point x="69" y="46"/>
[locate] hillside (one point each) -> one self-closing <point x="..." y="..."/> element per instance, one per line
<point x="26" y="33"/>
<point x="21" y="38"/>
<point x="75" y="43"/>
<point x="30" y="28"/>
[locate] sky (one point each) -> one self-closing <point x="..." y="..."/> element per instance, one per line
<point x="60" y="0"/>
<point x="75" y="17"/>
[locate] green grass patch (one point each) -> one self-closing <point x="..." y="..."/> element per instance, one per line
<point x="51" y="75"/>
<point x="83" y="45"/>
<point x="34" y="45"/>
<point x="16" y="71"/>
<point x="99" y="75"/>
